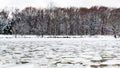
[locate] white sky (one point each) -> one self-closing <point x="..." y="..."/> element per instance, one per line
<point x="58" y="3"/>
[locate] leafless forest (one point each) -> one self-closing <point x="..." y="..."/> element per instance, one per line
<point x="61" y="21"/>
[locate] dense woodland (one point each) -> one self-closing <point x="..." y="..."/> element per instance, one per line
<point x="61" y="21"/>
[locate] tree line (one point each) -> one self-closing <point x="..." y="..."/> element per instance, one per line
<point x="61" y="21"/>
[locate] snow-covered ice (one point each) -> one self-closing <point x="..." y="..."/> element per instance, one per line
<point x="34" y="52"/>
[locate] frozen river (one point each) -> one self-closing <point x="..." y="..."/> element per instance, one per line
<point x="59" y="53"/>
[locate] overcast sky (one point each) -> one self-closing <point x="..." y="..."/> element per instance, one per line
<point x="58" y="3"/>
